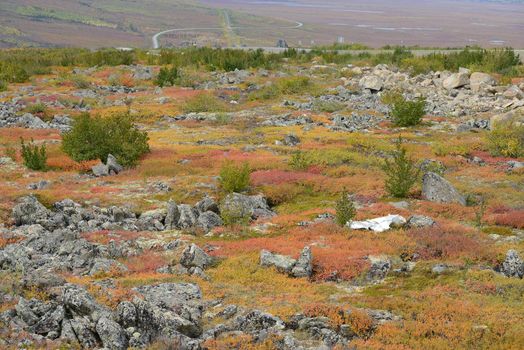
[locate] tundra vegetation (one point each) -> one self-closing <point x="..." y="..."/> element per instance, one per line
<point x="234" y="199"/>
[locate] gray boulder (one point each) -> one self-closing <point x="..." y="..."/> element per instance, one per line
<point x="282" y="263"/>
<point x="419" y="221"/>
<point x="30" y="211"/>
<point x="111" y="333"/>
<point x="32" y="122"/>
<point x="207" y="204"/>
<point x="100" y="170"/>
<point x="188" y="216"/>
<point x="194" y="256"/>
<point x="104" y="266"/>
<point x="209" y="220"/>
<point x="113" y="165"/>
<point x="256" y="321"/>
<point x="513" y="266"/>
<point x="78" y="301"/>
<point x="437" y="189"/>
<point x="291" y="140"/>
<point x="514" y="116"/>
<point x="304" y="264"/>
<point x="479" y="80"/>
<point x="84" y="332"/>
<point x="456" y="80"/>
<point x="152" y="220"/>
<point x="302" y="267"/>
<point x="172" y="215"/>
<point x="240" y="205"/>
<point x="513" y="92"/>
<point x="371" y="82"/>
<point x="380" y="267"/>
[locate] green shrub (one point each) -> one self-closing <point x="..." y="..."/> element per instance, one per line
<point x="267" y="92"/>
<point x="3" y="86"/>
<point x="294" y="85"/>
<point x="35" y="158"/>
<point x="299" y="161"/>
<point x="37" y="108"/>
<point x="506" y="140"/>
<point x="13" y="73"/>
<point x="345" y="209"/>
<point x="204" y="102"/>
<point x="408" y="113"/>
<point x="234" y="178"/>
<point x="80" y="81"/>
<point x="222" y="119"/>
<point x="401" y="172"/>
<point x="96" y="137"/>
<point x="390" y="97"/>
<point x="168" y="76"/>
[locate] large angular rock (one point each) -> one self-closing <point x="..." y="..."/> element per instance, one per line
<point x="420" y="221"/>
<point x="437" y="189"/>
<point x="256" y="321"/>
<point x="304" y="264"/>
<point x="152" y="220"/>
<point x="100" y="170"/>
<point x="282" y="263"/>
<point x="380" y="267"/>
<point x="84" y="331"/>
<point x="371" y="82"/>
<point x="209" y="220"/>
<point x="29" y="211"/>
<point x="515" y="116"/>
<point x="188" y="216"/>
<point x="455" y="81"/>
<point x="194" y="256"/>
<point x="79" y="301"/>
<point x="32" y="122"/>
<point x="513" y="266"/>
<point x="111" y="333"/>
<point x="240" y="205"/>
<point x="113" y="165"/>
<point x="207" y="204"/>
<point x="172" y="215"/>
<point x="479" y="81"/>
<point x="513" y="92"/>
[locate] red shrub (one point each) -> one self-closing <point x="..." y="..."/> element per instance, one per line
<point x="277" y="177"/>
<point x="512" y="218"/>
<point x="334" y="251"/>
<point x="147" y="262"/>
<point x="448" y="243"/>
<point x="105" y="236"/>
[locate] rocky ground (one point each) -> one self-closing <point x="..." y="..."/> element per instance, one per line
<point x="93" y="255"/>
